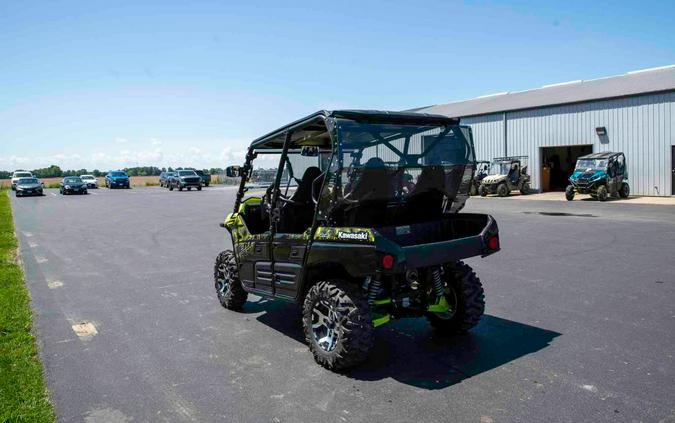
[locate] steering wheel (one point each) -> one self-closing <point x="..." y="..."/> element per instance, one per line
<point x="266" y="201"/>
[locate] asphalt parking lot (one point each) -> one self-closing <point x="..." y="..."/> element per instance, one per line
<point x="579" y="324"/>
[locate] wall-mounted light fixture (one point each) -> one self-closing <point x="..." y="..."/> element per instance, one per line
<point x="601" y="131"/>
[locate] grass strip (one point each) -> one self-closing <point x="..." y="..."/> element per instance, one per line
<point x="23" y="397"/>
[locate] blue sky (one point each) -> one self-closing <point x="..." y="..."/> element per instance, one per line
<point x="114" y="84"/>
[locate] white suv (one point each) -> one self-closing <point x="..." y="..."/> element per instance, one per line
<point x="18" y="174"/>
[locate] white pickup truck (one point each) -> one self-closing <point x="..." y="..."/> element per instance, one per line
<point x="18" y="174"/>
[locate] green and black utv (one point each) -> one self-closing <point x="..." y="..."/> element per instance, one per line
<point x="370" y="231"/>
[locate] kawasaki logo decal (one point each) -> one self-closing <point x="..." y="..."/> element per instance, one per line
<point x="358" y="236"/>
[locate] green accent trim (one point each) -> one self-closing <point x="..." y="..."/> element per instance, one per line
<point x="382" y="301"/>
<point x="441" y="306"/>
<point x="250" y="202"/>
<point x="381" y="319"/>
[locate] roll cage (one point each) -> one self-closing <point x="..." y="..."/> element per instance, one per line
<point x="321" y="131"/>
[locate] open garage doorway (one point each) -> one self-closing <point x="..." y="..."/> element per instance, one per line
<point x="557" y="164"/>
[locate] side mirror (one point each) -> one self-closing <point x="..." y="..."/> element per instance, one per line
<point x="309" y="151"/>
<point x="233" y="171"/>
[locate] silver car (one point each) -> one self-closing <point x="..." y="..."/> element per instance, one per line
<point x="89" y="180"/>
<point x="28" y="186"/>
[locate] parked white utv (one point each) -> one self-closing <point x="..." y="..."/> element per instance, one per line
<point x="506" y="174"/>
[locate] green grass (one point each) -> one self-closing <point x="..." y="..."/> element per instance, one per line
<point x="23" y="397"/>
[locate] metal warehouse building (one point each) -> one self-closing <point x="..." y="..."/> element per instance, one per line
<point x="553" y="125"/>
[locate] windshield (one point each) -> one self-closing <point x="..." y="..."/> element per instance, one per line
<point x="72" y="180"/>
<point x="391" y="164"/>
<point x="22" y="175"/>
<point x="591" y="164"/>
<point x="28" y="181"/>
<point x="118" y="174"/>
<point x="186" y="173"/>
<point x="500" y="168"/>
<point x="88" y="177"/>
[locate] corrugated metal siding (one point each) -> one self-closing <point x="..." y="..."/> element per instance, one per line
<point x="488" y="135"/>
<point x="642" y="127"/>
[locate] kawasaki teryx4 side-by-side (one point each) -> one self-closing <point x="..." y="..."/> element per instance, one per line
<point x="600" y="175"/>
<point x="371" y="234"/>
<point x="506" y="174"/>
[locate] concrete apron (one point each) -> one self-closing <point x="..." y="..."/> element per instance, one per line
<point x="560" y="196"/>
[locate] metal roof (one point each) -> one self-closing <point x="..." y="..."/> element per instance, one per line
<point x="633" y="83"/>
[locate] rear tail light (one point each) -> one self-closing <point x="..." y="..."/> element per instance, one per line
<point x="388" y="261"/>
<point x="493" y="243"/>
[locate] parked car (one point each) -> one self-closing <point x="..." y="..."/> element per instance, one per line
<point x="18" y="174"/>
<point x="506" y="174"/>
<point x="90" y="180"/>
<point x="72" y="185"/>
<point x="117" y="179"/>
<point x="600" y="175"/>
<point x="28" y="186"/>
<point x="206" y="177"/>
<point x="164" y="178"/>
<point x="185" y="179"/>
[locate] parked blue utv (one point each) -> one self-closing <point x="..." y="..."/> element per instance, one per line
<point x="600" y="175"/>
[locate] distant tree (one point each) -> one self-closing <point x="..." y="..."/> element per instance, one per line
<point x="96" y="173"/>
<point x="5" y="175"/>
<point x="52" y="171"/>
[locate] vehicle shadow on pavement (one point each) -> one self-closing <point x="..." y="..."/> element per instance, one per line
<point x="411" y="352"/>
<point x="279" y="315"/>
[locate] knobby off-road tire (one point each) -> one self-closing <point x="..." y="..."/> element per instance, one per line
<point x="525" y="189"/>
<point x="464" y="293"/>
<point x="345" y="309"/>
<point x="569" y="193"/>
<point x="199" y="188"/>
<point x="602" y="193"/>
<point x="473" y="190"/>
<point x="229" y="289"/>
<point x="624" y="192"/>
<point x="502" y="190"/>
<point x="482" y="191"/>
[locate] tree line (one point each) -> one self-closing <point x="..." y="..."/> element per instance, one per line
<point x="55" y="171"/>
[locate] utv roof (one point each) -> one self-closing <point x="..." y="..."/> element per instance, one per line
<point x="314" y="123"/>
<point x="604" y="155"/>
<point x="509" y="158"/>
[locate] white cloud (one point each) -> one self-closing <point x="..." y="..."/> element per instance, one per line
<point x="121" y="140"/>
<point x="199" y="154"/>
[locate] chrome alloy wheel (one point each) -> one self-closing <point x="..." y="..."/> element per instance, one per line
<point x="325" y="325"/>
<point x="223" y="281"/>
